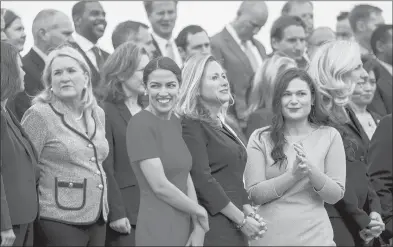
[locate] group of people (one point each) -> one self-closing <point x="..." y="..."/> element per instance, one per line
<point x="197" y="140"/>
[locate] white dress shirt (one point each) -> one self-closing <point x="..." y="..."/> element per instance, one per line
<point x="86" y="45"/>
<point x="40" y="53"/>
<point x="253" y="48"/>
<point x="387" y="66"/>
<point x="162" y="45"/>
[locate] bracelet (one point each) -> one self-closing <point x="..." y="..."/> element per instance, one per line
<point x="239" y="227"/>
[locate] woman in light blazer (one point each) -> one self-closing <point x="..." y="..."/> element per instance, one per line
<point x="67" y="128"/>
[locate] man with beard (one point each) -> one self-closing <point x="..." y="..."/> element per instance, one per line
<point x="50" y="29"/>
<point x="89" y="21"/>
<point x="162" y="16"/>
<point x="381" y="44"/>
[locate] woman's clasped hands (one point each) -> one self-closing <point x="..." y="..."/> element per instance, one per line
<point x="302" y="167"/>
<point x="253" y="225"/>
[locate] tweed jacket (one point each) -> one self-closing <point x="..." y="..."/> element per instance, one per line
<point x="72" y="186"/>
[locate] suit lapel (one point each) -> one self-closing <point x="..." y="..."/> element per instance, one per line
<point x="124" y="112"/>
<point x="233" y="46"/>
<point x="38" y="62"/>
<point x="260" y="48"/>
<point x="355" y="125"/>
<point x="94" y="71"/>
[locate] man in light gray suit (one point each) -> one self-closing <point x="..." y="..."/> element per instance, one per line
<point x="241" y="54"/>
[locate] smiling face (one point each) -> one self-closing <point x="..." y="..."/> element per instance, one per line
<point x="364" y="91"/>
<point x="296" y="101"/>
<point x="162" y="87"/>
<point x="163" y="17"/>
<point x="134" y="85"/>
<point x="214" y="85"/>
<point x="16" y="34"/>
<point x="92" y="23"/>
<point x="356" y="75"/>
<point x="68" y="78"/>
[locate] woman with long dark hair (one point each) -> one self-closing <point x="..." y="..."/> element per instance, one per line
<point x="290" y="172"/>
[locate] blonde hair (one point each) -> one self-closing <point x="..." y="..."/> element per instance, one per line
<point x="47" y="96"/>
<point x="330" y="63"/>
<point x="261" y="94"/>
<point x="189" y="103"/>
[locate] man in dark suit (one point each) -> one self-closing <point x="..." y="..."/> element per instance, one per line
<point x="381" y="44"/>
<point x="90" y="23"/>
<point x="241" y="54"/>
<point x="162" y="16"/>
<point x="50" y="28"/>
<point x="381" y="173"/>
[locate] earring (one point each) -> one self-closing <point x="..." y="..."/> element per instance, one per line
<point x="145" y="93"/>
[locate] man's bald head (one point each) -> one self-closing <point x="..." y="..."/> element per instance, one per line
<point x="251" y="16"/>
<point x="51" y="28"/>
<point x="318" y="37"/>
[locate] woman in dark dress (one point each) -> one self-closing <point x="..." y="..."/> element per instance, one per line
<point x="162" y="163"/>
<point x="356" y="218"/>
<point x="121" y="84"/>
<point x="19" y="172"/>
<point x="218" y="155"/>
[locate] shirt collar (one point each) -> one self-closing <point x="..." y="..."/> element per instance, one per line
<point x="387" y="66"/>
<point x="160" y="40"/>
<point x="233" y="33"/>
<point x="40" y="53"/>
<point x="84" y="43"/>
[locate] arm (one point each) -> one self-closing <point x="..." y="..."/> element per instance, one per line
<point x="330" y="184"/>
<point x="260" y="189"/>
<point x="192" y="194"/>
<point x="31" y="119"/>
<point x="5" y="220"/>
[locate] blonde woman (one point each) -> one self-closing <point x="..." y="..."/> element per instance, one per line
<point x="259" y="112"/>
<point x="336" y="68"/>
<point x="218" y="155"/>
<point x="67" y="128"/>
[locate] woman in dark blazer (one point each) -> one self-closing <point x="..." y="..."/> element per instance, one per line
<point x="121" y="84"/>
<point x="218" y="155"/>
<point x="19" y="200"/>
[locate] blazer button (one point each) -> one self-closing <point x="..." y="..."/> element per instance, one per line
<point x="70" y="185"/>
<point x="89" y="145"/>
<point x="100" y="186"/>
<point x="93" y="159"/>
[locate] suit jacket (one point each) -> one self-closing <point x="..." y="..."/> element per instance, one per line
<point x="379" y="158"/>
<point x="19" y="200"/>
<point x="382" y="102"/>
<point x="157" y="52"/>
<point x="33" y="65"/>
<point x="95" y="74"/>
<point x="239" y="71"/>
<point x="123" y="192"/>
<point x="73" y="187"/>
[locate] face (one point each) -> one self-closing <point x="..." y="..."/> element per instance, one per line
<point x="146" y="41"/>
<point x="214" y="85"/>
<point x="305" y="12"/>
<point x="62" y="32"/>
<point x="344" y="30"/>
<point x="92" y="23"/>
<point x="198" y="43"/>
<point x="318" y="38"/>
<point x="293" y="42"/>
<point x="163" y="17"/>
<point x="162" y="88"/>
<point x="68" y="78"/>
<point x="364" y="91"/>
<point x="16" y="34"/>
<point x="296" y="101"/>
<point x="357" y="75"/>
<point x="134" y="85"/>
<point x="21" y="74"/>
<point x="387" y="47"/>
<point x="368" y="26"/>
<point x="251" y="23"/>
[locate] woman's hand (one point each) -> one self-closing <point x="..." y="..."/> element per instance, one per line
<point x="373" y="230"/>
<point x="376" y="216"/>
<point x="121" y="225"/>
<point x="253" y="229"/>
<point x="300" y="167"/>
<point x="203" y="218"/>
<point x="197" y="236"/>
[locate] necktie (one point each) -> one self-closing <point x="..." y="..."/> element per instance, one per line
<point x="169" y="51"/>
<point x="250" y="55"/>
<point x="97" y="54"/>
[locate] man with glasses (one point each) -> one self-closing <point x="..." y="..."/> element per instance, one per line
<point x="241" y="54"/>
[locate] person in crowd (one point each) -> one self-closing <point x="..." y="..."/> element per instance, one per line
<point x="121" y="84"/>
<point x="14" y="29"/>
<point x="19" y="172"/>
<point x="379" y="158"/>
<point x="290" y="173"/>
<point x="90" y="24"/>
<point x="136" y="32"/>
<point x="67" y="128"/>
<point x="343" y="27"/>
<point x="240" y="55"/>
<point x="3" y="35"/>
<point x="288" y="37"/>
<point x="218" y="155"/>
<point x="260" y="112"/>
<point x="381" y="44"/>
<point x="303" y="9"/>
<point x="363" y="122"/>
<point x="364" y="19"/>
<point x="162" y="16"/>
<point x="356" y="218"/>
<point x="191" y="40"/>
<point x="319" y="36"/>
<point x="50" y="29"/>
<point x="169" y="213"/>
